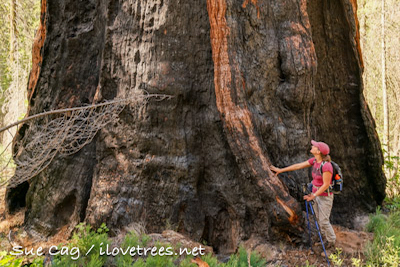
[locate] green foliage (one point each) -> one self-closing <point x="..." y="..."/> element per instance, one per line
<point x="383" y="252"/>
<point x="335" y="258"/>
<point x="384" y="249"/>
<point x="240" y="259"/>
<point x="308" y="264"/>
<point x="356" y="262"/>
<point x="145" y="240"/>
<point x="390" y="253"/>
<point x="376" y="222"/>
<point x="37" y="262"/>
<point x="211" y="260"/>
<point x="85" y="239"/>
<point x="92" y="243"/>
<point x="7" y="260"/>
<point x="139" y="263"/>
<point x="393" y="203"/>
<point x="187" y="262"/>
<point x="133" y="240"/>
<point x="391" y="164"/>
<point x="160" y="261"/>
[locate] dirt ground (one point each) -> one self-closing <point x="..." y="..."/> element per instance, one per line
<point x="350" y="242"/>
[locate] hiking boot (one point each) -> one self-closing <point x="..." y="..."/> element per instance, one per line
<point x="317" y="244"/>
<point x="317" y="248"/>
<point x="330" y="246"/>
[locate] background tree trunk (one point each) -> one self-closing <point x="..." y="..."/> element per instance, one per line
<point x="386" y="132"/>
<point x="13" y="30"/>
<point x="253" y="83"/>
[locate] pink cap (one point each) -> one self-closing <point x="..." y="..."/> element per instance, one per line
<point x="324" y="148"/>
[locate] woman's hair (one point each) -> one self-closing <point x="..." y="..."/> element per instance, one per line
<point x="326" y="157"/>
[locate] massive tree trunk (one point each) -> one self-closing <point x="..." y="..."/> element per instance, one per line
<point x="253" y="83"/>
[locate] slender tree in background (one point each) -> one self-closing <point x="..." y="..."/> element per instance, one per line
<point x="380" y="27"/>
<point x="13" y="30"/>
<point x="384" y="92"/>
<point x="18" y="22"/>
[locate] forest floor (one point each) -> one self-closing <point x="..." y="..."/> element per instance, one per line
<point x="351" y="243"/>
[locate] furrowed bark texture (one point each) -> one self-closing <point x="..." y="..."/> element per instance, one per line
<point x="341" y="116"/>
<point x="253" y="82"/>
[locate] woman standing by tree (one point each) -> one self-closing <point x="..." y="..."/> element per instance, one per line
<point x="323" y="198"/>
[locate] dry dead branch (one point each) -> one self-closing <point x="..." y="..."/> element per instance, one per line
<point x="61" y="132"/>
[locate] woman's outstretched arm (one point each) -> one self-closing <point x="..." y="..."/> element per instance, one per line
<point x="293" y="167"/>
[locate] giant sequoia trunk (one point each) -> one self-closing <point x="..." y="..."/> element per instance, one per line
<point x="253" y="82"/>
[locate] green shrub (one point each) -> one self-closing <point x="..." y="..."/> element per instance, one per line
<point x="308" y="264"/>
<point x="393" y="203"/>
<point x="160" y="261"/>
<point x="139" y="263"/>
<point x="8" y="260"/>
<point x="211" y="260"/>
<point x="335" y="258"/>
<point x="88" y="242"/>
<point x="384" y="249"/>
<point x="376" y="222"/>
<point x="92" y="247"/>
<point x="130" y="240"/>
<point x="240" y="259"/>
<point x="187" y="262"/>
<point x="133" y="240"/>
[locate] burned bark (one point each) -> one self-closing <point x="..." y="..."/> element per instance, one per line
<point x="253" y="83"/>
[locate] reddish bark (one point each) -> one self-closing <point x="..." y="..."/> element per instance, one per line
<point x="37" y="51"/>
<point x="237" y="119"/>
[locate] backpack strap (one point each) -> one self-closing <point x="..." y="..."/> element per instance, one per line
<point x="320" y="167"/>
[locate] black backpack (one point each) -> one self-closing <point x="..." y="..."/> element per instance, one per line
<point x="336" y="186"/>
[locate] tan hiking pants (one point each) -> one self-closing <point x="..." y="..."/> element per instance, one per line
<point x="322" y="208"/>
